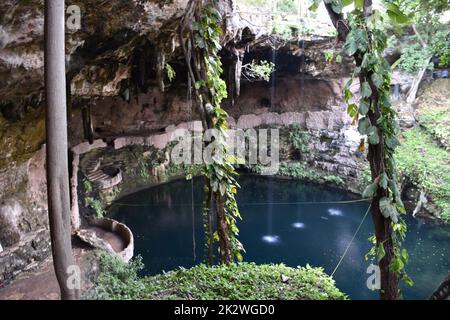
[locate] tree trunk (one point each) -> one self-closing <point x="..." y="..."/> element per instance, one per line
<point x="418" y="79"/>
<point x="225" y="254"/>
<point x="383" y="230"/>
<point x="208" y="224"/>
<point x="57" y="151"/>
<point x="197" y="71"/>
<point x="416" y="84"/>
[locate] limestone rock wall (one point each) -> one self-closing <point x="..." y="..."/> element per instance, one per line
<point x="24" y="234"/>
<point x="111" y="66"/>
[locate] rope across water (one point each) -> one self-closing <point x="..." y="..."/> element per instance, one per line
<point x="288" y="203"/>
<point x="351" y="242"/>
<point x="248" y="204"/>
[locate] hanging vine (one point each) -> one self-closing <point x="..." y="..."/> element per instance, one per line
<point x="200" y="35"/>
<point x="376" y="119"/>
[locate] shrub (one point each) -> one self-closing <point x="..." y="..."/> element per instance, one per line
<point x="117" y="280"/>
<point x="426" y="165"/>
<point x="241" y="281"/>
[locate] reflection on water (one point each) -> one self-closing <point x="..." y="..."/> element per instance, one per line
<point x="167" y="225"/>
<point x="298" y="225"/>
<point x="271" y="239"/>
<point x="334" y="212"/>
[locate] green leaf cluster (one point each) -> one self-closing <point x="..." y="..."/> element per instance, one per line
<point x="242" y="281"/>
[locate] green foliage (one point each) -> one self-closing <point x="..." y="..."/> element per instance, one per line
<point x="439" y="45"/>
<point x="356" y="41"/>
<point x="336" y="5"/>
<point x="426" y="165"/>
<point x="88" y="188"/>
<point x="284" y="7"/>
<point x="364" y="179"/>
<point x="388" y="210"/>
<point x="211" y="90"/>
<point x="90" y="199"/>
<point x="396" y="14"/>
<point x="96" y="205"/>
<point x="370" y="191"/>
<point x="299" y="139"/>
<point x="425" y="15"/>
<point x="254" y="3"/>
<point x="421" y="11"/>
<point x="245" y="281"/>
<point x="143" y="168"/>
<point x="330" y="56"/>
<point x="366" y="42"/>
<point x="287" y="30"/>
<point x="435" y="120"/>
<point x="117" y="280"/>
<point x="258" y="70"/>
<point x="302" y="171"/>
<point x="287" y="6"/>
<point x="414" y="58"/>
<point x="225" y="282"/>
<point x="444" y="59"/>
<point x="171" y="74"/>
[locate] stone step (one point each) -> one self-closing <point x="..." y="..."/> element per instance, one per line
<point x="102" y="178"/>
<point x="97" y="175"/>
<point x="93" y="165"/>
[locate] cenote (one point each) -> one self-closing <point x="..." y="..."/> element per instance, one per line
<point x="284" y="221"/>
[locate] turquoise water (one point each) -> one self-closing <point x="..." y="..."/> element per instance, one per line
<point x="283" y="221"/>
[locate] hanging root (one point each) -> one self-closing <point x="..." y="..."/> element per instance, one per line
<point x="200" y="46"/>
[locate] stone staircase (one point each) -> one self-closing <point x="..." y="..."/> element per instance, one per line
<point x="96" y="175"/>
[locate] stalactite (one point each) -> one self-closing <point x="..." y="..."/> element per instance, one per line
<point x="238" y="71"/>
<point x="87" y="123"/>
<point x="160" y="67"/>
<point x="235" y="73"/>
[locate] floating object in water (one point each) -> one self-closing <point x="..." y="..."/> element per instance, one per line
<point x="335" y="212"/>
<point x="298" y="225"/>
<point x="324" y="218"/>
<point x="271" y="239"/>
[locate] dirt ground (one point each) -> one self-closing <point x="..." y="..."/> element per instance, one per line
<point x="41" y="284"/>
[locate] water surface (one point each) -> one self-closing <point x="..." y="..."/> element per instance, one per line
<point x="283" y="221"/>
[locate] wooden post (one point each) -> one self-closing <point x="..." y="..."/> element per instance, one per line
<point x="57" y="151"/>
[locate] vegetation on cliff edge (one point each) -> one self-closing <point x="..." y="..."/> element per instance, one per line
<point x="426" y="166"/>
<point x="241" y="281"/>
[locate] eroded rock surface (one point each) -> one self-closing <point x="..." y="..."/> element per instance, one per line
<point x="23" y="216"/>
<point x="113" y="69"/>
